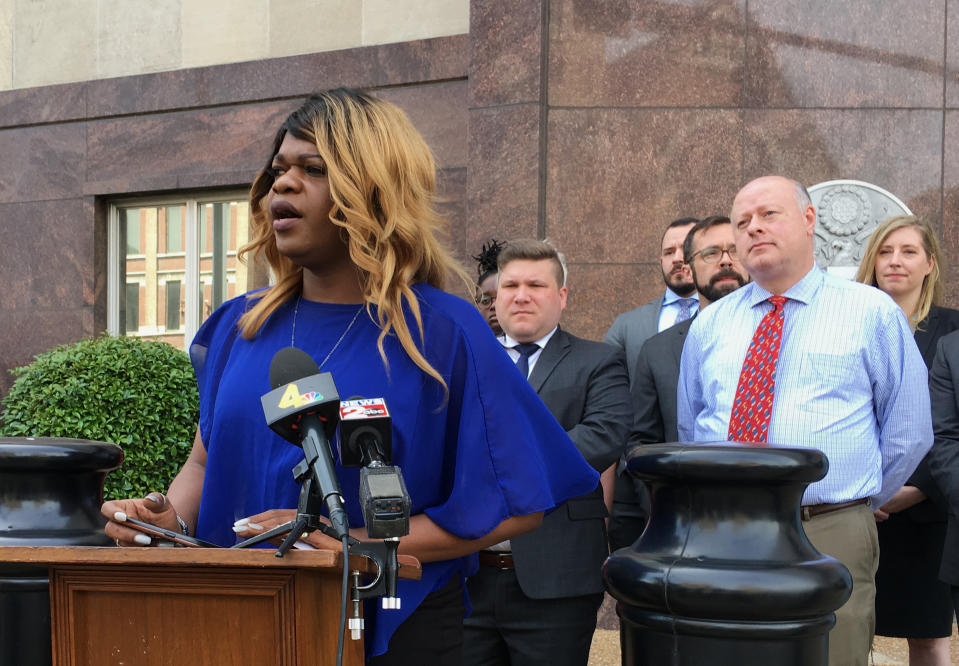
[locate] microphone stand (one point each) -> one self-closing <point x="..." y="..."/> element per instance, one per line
<point x="307" y="515"/>
<point x="382" y="554"/>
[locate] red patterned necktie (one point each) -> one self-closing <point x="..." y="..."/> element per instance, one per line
<point x="753" y="403"/>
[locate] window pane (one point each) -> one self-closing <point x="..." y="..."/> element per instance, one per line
<point x="174" y="228"/>
<point x="130" y="226"/>
<point x="223" y="229"/>
<point x="131" y="311"/>
<point x="139" y="268"/>
<point x="173" y="305"/>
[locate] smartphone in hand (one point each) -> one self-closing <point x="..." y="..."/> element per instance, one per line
<point x="169" y="535"/>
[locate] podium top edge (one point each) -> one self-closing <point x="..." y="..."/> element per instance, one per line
<point x="262" y="558"/>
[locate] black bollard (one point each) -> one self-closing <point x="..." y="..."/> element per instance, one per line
<point x="50" y="495"/>
<point x="724" y="573"/>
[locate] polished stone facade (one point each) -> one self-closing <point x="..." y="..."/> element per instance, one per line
<point x="653" y="110"/>
<point x="590" y="123"/>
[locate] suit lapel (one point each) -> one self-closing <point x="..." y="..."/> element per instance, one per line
<point x="926" y="334"/>
<point x="556" y="349"/>
<point x="680" y="337"/>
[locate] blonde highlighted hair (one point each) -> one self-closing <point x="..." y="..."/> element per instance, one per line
<point x="382" y="181"/>
<point x="931" y="293"/>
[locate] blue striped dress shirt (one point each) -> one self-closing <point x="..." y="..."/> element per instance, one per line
<point x="850" y="382"/>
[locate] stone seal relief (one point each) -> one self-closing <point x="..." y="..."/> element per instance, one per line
<point x="847" y="212"/>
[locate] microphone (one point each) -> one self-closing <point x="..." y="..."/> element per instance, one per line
<point x="366" y="432"/>
<point x="366" y="437"/>
<point x="303" y="408"/>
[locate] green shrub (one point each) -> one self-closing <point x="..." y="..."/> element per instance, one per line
<point x="138" y="394"/>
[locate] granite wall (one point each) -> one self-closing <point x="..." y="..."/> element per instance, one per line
<point x="592" y="123"/>
<point x="598" y="122"/>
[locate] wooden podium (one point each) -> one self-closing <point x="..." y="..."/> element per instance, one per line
<point x="201" y="606"/>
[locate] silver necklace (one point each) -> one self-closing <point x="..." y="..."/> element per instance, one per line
<point x="296" y="311"/>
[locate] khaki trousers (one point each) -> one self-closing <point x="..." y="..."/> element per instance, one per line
<point x="850" y="536"/>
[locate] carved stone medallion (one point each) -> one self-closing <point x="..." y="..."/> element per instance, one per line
<point x="847" y="212"/>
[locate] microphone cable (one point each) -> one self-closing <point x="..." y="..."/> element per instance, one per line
<point x="343" y="599"/>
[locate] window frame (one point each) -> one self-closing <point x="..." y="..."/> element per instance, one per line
<point x="193" y="203"/>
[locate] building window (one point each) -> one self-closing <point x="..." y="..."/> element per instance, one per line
<point x="172" y="262"/>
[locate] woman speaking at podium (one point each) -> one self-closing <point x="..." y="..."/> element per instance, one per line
<point x="343" y="212"/>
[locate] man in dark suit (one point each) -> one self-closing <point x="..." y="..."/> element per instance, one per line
<point x="944" y="456"/>
<point x="716" y="271"/>
<point x="630" y="509"/>
<point x="535" y="598"/>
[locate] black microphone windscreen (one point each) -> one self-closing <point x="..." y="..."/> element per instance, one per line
<point x="290" y="364"/>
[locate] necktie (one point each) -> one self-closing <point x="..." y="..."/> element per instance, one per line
<point x="753" y="404"/>
<point x="525" y="349"/>
<point x="687" y="306"/>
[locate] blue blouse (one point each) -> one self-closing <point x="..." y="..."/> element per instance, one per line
<point x="489" y="452"/>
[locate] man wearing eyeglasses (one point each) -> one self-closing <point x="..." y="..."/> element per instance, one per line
<point x="710" y="250"/>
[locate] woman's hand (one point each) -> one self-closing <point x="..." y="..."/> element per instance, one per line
<point x="155" y="509"/>
<point x="261" y="522"/>
<point x="253" y="525"/>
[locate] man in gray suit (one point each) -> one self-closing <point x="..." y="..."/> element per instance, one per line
<point x="711" y="252"/>
<point x="535" y="598"/>
<point x="630" y="330"/>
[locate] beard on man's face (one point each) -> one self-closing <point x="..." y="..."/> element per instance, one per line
<point x="713" y="292"/>
<point x="679" y="281"/>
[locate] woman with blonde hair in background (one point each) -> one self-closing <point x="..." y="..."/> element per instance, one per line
<point x="903" y="259"/>
<point x="343" y="213"/>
